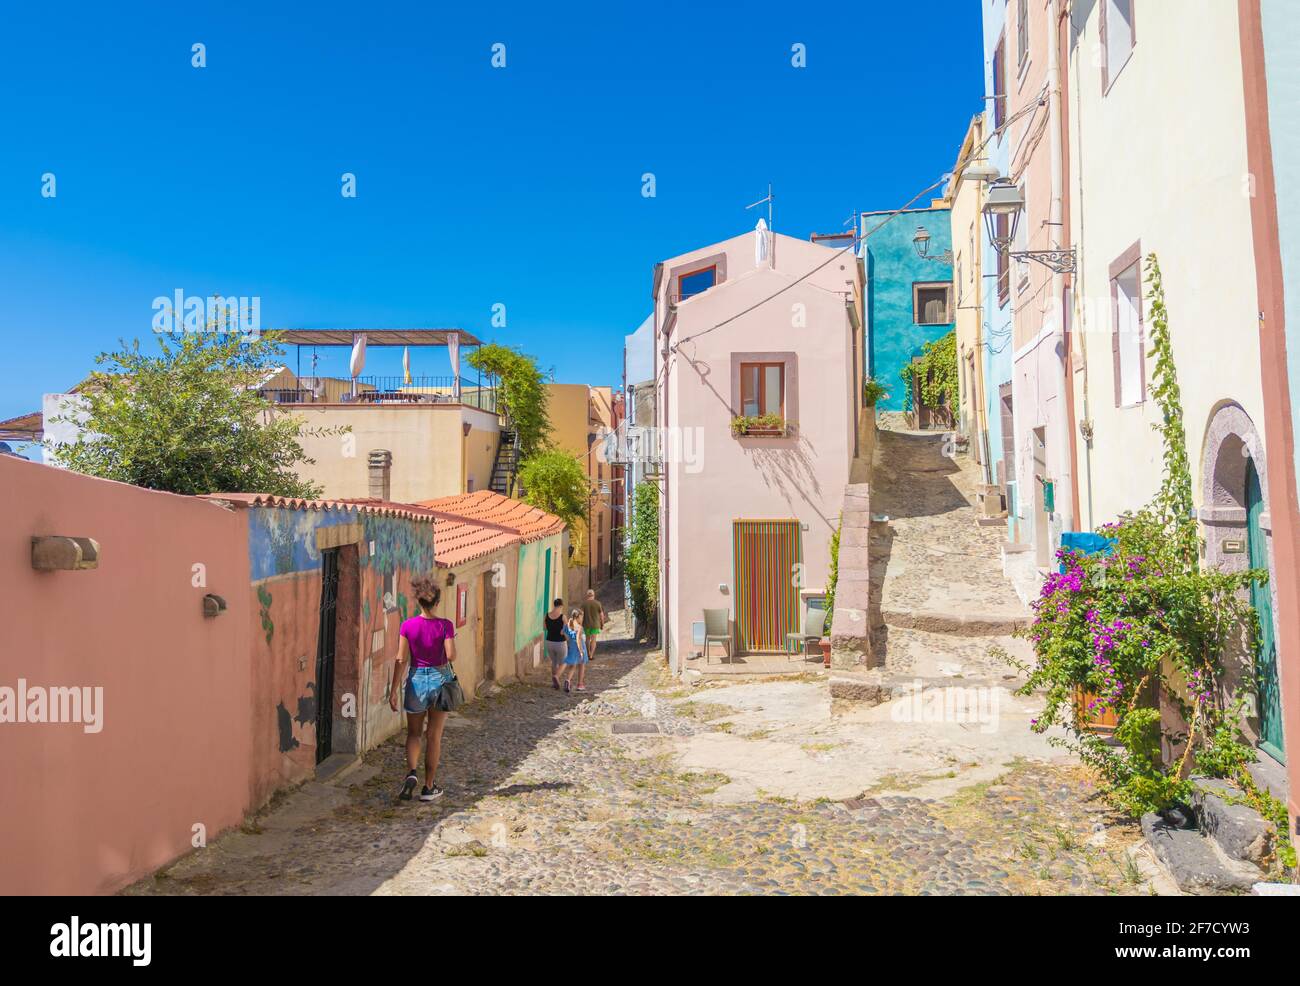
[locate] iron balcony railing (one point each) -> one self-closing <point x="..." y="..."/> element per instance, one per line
<point x="386" y="390"/>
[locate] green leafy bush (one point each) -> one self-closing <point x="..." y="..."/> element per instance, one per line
<point x="936" y="371"/>
<point x="555" y="481"/>
<point x="189" y="420"/>
<point x="522" y="393"/>
<point x="641" y="565"/>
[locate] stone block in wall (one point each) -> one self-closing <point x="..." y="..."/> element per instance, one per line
<point x="850" y="623"/>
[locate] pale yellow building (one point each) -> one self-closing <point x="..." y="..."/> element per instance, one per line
<point x="580" y="414"/>
<point x="435" y="449"/>
<point x="966" y="199"/>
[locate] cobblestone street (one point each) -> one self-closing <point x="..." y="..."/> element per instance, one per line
<point x="543" y="796"/>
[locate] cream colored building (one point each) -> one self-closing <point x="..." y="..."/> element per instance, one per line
<point x="1158" y="165"/>
<point x="580" y="415"/>
<point x="437" y="449"/>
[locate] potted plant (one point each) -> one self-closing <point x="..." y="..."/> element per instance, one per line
<point x="873" y="391"/>
<point x="759" y="425"/>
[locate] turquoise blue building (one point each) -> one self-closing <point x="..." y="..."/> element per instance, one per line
<point x="909" y="297"/>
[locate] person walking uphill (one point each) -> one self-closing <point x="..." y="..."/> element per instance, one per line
<point x="427" y="643"/>
<point x="576" y="658"/>
<point x="557" y="646"/>
<point x="593" y="621"/>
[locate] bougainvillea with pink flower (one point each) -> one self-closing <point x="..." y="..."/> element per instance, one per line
<point x="1143" y="625"/>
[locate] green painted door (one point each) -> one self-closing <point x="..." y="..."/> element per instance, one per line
<point x="1270" y="697"/>
<point x="546" y="584"/>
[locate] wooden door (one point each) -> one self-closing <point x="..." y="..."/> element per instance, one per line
<point x="487" y="625"/>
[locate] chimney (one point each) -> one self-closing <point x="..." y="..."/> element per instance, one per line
<point x="381" y="468"/>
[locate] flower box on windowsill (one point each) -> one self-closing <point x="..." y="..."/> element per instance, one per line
<point x="761" y="426"/>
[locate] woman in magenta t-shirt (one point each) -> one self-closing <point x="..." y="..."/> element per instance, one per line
<point x="427" y="642"/>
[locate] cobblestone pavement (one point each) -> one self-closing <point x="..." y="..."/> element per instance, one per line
<point x="543" y="797"/>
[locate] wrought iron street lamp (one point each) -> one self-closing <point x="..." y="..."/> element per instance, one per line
<point x="1006" y="200"/>
<point x="921" y="244"/>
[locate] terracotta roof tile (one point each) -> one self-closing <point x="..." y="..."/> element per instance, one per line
<point x="484" y="506"/>
<point x="382" y="508"/>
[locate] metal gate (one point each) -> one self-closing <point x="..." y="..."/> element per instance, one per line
<point x="329" y="595"/>
<point x="768" y="557"/>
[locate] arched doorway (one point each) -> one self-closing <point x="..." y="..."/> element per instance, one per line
<point x="1238" y="536"/>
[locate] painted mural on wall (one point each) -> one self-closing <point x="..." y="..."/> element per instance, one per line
<point x="283" y="542"/>
<point x="282" y="551"/>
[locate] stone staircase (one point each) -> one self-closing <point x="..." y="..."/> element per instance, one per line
<point x="940" y="609"/>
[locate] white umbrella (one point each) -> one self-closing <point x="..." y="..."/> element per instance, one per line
<point x="453" y="353"/>
<point x="406" y="365"/>
<point x="358" y="358"/>
<point x="761" y="245"/>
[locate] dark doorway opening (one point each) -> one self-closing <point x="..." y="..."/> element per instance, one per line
<point x="325" y="653"/>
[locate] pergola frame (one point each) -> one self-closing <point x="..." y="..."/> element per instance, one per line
<point x="374" y="337"/>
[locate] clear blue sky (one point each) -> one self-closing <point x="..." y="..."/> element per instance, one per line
<point x="475" y="185"/>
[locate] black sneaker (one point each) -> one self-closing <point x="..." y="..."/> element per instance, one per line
<point x="408" y="786"/>
<point x="430" y="793"/>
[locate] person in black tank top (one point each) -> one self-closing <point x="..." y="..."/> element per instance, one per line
<point x="556" y="643"/>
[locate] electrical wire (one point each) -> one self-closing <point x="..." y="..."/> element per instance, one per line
<point x="829" y="260"/>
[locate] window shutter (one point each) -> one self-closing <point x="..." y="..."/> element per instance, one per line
<point x="1142" y="341"/>
<point x="1114" y="340"/>
<point x="1105" y="68"/>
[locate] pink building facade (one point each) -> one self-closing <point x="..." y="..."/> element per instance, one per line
<point x="758" y="360"/>
<point x="1030" y="79"/>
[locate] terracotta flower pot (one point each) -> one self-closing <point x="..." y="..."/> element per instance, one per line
<point x="1102" y="720"/>
<point x="825" y="643"/>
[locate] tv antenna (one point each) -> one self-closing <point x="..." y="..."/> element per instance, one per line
<point x="768" y="199"/>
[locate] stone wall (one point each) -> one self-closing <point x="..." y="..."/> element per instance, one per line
<point x="850" y="623"/>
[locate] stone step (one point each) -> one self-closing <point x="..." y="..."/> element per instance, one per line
<point x="1239" y="830"/>
<point x="989" y="624"/>
<point x="1195" y="862"/>
<point x="898" y="650"/>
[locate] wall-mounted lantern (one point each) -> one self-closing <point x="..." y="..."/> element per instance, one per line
<point x="1006" y="199"/>
<point x="56" y="553"/>
<point x="921" y="244"/>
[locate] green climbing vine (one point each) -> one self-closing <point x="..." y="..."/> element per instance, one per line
<point x="936" y="373"/>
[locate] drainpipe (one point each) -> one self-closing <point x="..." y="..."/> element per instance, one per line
<point x="380" y="462"/>
<point x="1060" y="424"/>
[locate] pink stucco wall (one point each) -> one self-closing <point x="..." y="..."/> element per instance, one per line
<point x="91" y="812"/>
<point x="718" y="478"/>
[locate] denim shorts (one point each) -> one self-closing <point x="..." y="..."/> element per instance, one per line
<point x="423" y="685"/>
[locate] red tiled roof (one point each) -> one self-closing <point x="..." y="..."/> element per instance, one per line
<point x="456" y="540"/>
<point x="484" y="506"/>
